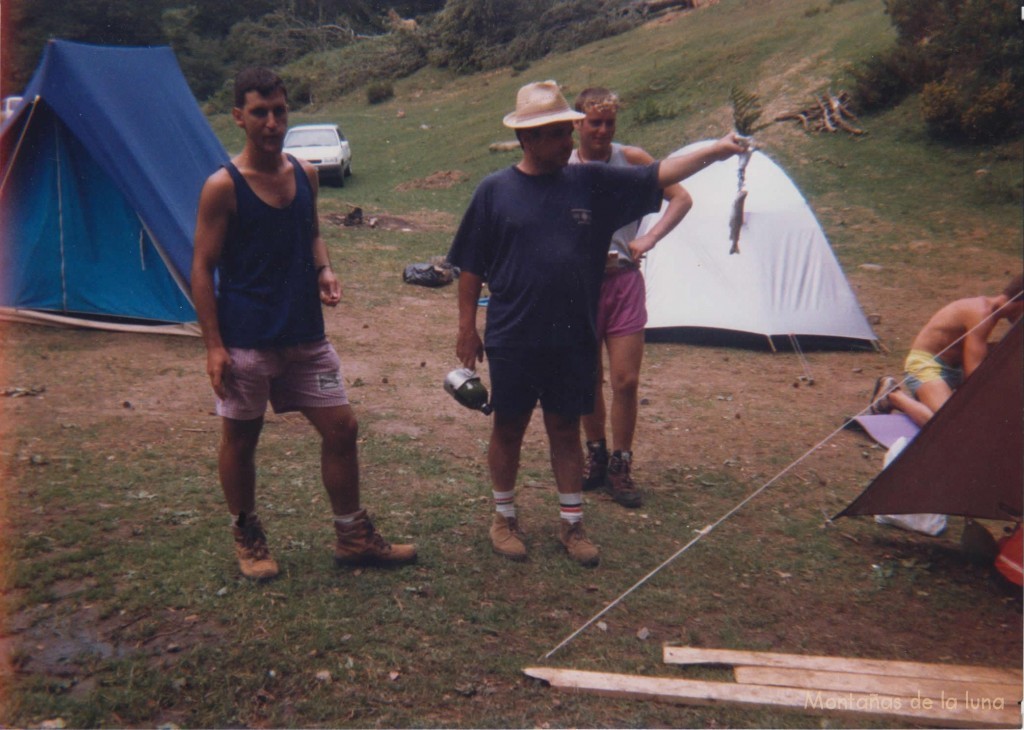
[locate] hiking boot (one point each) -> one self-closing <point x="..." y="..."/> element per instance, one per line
<point x="880" y="402"/>
<point x="251" y="548"/>
<point x="578" y="545"/>
<point x="507" y="538"/>
<point x="595" y="466"/>
<point x="359" y="543"/>
<point x="620" y="483"/>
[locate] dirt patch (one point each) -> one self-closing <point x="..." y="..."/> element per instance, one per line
<point x="426" y="220"/>
<point x="441" y="180"/>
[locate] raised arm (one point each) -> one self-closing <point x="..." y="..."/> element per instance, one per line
<point x="676" y="169"/>
<point x="679" y="204"/>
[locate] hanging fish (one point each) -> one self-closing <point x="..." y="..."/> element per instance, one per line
<point x="736" y="219"/>
<point x="746" y="110"/>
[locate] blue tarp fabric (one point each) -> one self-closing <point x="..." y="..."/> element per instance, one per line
<point x="102" y="170"/>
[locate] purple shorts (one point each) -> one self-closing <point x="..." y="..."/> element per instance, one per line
<point x="623" y="306"/>
<point x="290" y="378"/>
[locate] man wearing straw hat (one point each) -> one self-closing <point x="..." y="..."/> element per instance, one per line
<point x="538" y="233"/>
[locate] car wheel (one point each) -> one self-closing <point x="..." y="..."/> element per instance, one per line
<point x="348" y="170"/>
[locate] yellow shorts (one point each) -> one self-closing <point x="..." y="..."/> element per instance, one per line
<point x="923" y="367"/>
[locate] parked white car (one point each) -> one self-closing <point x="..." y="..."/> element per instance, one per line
<point x="324" y="146"/>
<point x="10" y="103"/>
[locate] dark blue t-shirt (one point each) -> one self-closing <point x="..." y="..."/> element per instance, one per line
<point x="267" y="292"/>
<point x="540" y="242"/>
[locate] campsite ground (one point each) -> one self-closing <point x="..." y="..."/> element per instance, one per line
<point x="121" y="445"/>
<point x="122" y="603"/>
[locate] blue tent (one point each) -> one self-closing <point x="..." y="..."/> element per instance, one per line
<point x="102" y="167"/>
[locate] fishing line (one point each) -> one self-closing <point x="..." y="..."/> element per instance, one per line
<point x="708" y="529"/>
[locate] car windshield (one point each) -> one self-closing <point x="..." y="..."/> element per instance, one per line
<point x="312" y="138"/>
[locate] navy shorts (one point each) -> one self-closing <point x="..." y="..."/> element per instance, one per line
<point x="561" y="378"/>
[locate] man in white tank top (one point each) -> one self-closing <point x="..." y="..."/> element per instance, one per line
<point x="622" y="312"/>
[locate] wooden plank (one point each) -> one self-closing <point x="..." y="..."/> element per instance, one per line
<point x="939" y="689"/>
<point x="826" y="702"/>
<point x="954" y="672"/>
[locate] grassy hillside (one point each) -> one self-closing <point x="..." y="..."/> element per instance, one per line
<point x="682" y="67"/>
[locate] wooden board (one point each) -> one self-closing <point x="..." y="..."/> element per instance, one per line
<point x="953" y="672"/>
<point x="827" y="702"/>
<point x="938" y="689"/>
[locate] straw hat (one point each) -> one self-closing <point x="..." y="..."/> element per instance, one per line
<point x="538" y="104"/>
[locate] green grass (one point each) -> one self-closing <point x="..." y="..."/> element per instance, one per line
<point x="116" y="551"/>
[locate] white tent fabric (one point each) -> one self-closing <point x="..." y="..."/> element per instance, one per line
<point x="785" y="280"/>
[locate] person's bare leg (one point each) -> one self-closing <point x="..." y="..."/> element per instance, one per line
<point x="237" y="469"/>
<point x="934" y="394"/>
<point x="566" y="453"/>
<point x="236" y="463"/>
<point x="930" y="398"/>
<point x="505" y="446"/>
<point x="503" y="452"/>
<point x="918" y="412"/>
<point x="625" y="355"/>
<point x="339" y="456"/>
<point x="566" y="463"/>
<point x="358" y="542"/>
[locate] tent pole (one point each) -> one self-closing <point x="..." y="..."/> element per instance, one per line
<point x="17" y="147"/>
<point x="175" y="275"/>
<point x="60" y="220"/>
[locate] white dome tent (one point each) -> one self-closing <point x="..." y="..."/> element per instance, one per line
<point x="784" y="283"/>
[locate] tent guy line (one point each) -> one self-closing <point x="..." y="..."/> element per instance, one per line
<point x="708" y="529"/>
<point x="700" y="534"/>
<point x="803" y="359"/>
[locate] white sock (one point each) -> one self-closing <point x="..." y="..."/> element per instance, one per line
<point x="504" y="503"/>
<point x="571" y="506"/>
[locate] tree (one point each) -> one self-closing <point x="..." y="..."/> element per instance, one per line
<point x="112" y="22"/>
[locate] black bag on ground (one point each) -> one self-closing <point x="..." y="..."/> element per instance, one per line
<point x="437" y="272"/>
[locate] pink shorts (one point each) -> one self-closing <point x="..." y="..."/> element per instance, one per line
<point x="290" y="378"/>
<point x="623" y="306"/>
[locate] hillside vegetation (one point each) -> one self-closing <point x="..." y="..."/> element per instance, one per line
<point x="675" y="76"/>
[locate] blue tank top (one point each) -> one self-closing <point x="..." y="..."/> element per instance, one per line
<point x="267" y="287"/>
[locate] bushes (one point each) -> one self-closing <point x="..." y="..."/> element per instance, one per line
<point x="474" y="35"/>
<point x="964" y="58"/>
<point x="380" y="91"/>
<point x="940" y="109"/>
<point x="952" y="112"/>
<point x="885" y="80"/>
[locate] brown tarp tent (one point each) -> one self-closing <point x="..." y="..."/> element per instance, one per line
<point x="969" y="458"/>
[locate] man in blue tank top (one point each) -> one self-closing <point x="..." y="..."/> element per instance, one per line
<point x="538" y="234"/>
<point x="622" y="309"/>
<point x="260" y="273"/>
